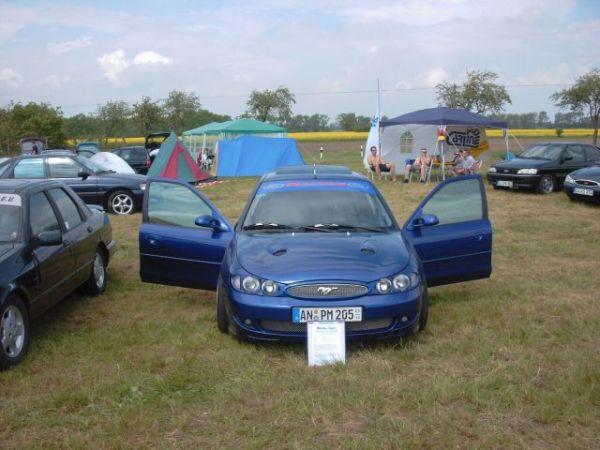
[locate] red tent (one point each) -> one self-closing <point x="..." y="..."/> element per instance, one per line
<point x="173" y="161"/>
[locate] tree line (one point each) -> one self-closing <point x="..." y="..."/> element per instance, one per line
<point x="480" y="93"/>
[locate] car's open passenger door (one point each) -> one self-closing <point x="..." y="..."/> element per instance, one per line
<point x="451" y="232"/>
<point x="183" y="236"/>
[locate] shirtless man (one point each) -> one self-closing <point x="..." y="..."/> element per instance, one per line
<point x="420" y="165"/>
<point x="379" y="165"/>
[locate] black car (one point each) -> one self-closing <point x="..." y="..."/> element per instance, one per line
<point x="51" y="243"/>
<point x="137" y="157"/>
<point x="543" y="167"/>
<point x="584" y="184"/>
<point x="96" y="185"/>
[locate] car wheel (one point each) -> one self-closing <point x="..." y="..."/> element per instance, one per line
<point x="121" y="203"/>
<point x="222" y="317"/>
<point x="14" y="332"/>
<point x="96" y="283"/>
<point x="547" y="184"/>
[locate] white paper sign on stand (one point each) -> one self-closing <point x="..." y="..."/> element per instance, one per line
<point x="326" y="343"/>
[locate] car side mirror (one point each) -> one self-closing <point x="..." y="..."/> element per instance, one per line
<point x="426" y="220"/>
<point x="83" y="174"/>
<point x="207" y="221"/>
<point x="47" y="238"/>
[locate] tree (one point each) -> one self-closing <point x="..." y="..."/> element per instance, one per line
<point x="480" y="93"/>
<point x="83" y="126"/>
<point x="33" y="119"/>
<point x="146" y="115"/>
<point x="316" y="122"/>
<point x="583" y="96"/>
<point x="113" y="116"/>
<point x="352" y="122"/>
<point x="180" y="108"/>
<point x="271" y="106"/>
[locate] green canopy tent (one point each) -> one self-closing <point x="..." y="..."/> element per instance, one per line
<point x="231" y="129"/>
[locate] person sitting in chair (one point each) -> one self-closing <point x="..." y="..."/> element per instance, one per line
<point x="378" y="165"/>
<point x="464" y="163"/>
<point x="419" y="165"/>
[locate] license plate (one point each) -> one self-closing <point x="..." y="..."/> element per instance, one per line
<point x="582" y="191"/>
<point x="504" y="183"/>
<point x="343" y="314"/>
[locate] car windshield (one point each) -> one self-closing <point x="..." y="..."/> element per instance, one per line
<point x="93" y="166"/>
<point x="317" y="205"/>
<point x="550" y="152"/>
<point x="10" y="217"/>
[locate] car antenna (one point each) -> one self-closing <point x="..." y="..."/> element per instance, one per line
<point x="315" y="170"/>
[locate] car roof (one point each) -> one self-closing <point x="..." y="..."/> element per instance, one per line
<point x="307" y="172"/>
<point x="16" y="186"/>
<point x="129" y="146"/>
<point x="57" y="151"/>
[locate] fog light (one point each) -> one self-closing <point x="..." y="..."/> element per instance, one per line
<point x="383" y="286"/>
<point x="269" y="287"/>
<point x="251" y="285"/>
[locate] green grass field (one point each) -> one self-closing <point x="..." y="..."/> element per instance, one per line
<point x="509" y="362"/>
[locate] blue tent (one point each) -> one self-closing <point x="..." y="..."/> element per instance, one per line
<point x="444" y="116"/>
<point x="251" y="155"/>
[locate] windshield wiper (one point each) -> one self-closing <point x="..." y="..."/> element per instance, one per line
<point x="337" y="226"/>
<point x="266" y="226"/>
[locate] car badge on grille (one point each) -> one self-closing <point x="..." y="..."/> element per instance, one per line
<point x="505" y="170"/>
<point x="326" y="290"/>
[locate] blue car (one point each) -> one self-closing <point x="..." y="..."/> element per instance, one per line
<point x="316" y="244"/>
<point x="584" y="184"/>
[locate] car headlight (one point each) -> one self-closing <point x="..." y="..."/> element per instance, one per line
<point x="236" y="282"/>
<point x="492" y="170"/>
<point x="401" y="282"/>
<point x="251" y="284"/>
<point x="527" y="171"/>
<point x="569" y="179"/>
<point x="143" y="186"/>
<point x="269" y="287"/>
<point x="384" y="286"/>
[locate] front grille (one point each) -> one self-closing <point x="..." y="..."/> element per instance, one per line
<point x="587" y="183"/>
<point x="327" y="290"/>
<point x="290" y="327"/>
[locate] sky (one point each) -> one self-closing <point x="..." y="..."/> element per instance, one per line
<point x="329" y="53"/>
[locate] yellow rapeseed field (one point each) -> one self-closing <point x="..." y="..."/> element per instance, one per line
<point x="328" y="136"/>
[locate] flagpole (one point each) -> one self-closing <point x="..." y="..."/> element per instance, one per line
<point x="379" y="119"/>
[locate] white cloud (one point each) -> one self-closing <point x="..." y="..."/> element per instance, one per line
<point x="560" y="74"/>
<point x="10" y="78"/>
<point x="113" y="64"/>
<point x="68" y="46"/>
<point x="435" y="76"/>
<point x="150" y="57"/>
<point x="56" y="82"/>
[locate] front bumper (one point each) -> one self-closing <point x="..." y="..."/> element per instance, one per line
<point x="263" y="318"/>
<point x="518" y="181"/>
<point x="570" y="188"/>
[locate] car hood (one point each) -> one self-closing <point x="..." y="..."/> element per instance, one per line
<point x="287" y="258"/>
<point x="123" y="177"/>
<point x="521" y="163"/>
<point x="590" y="173"/>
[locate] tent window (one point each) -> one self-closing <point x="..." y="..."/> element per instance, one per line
<point x="406" y="142"/>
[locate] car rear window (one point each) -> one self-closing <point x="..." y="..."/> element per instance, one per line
<point x="133" y="154"/>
